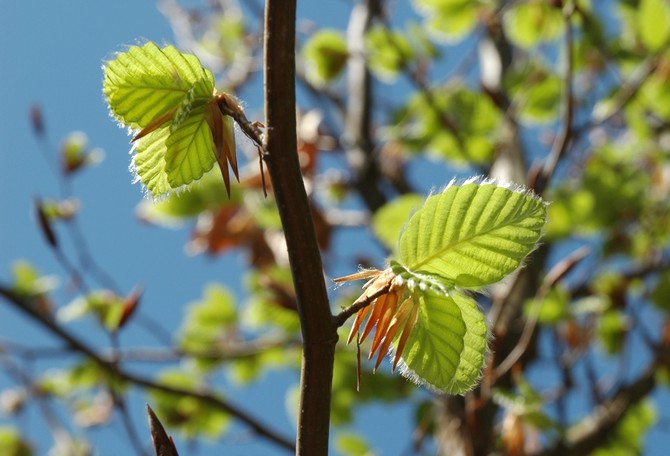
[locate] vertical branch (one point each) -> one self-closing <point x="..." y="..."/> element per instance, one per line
<point x="356" y="138"/>
<point x="318" y="329"/>
<point x="560" y="146"/>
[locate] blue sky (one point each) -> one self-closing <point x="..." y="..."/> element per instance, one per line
<point x="51" y="56"/>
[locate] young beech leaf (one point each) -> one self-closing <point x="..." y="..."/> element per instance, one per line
<point x="168" y="99"/>
<point x="146" y="82"/>
<point x="471" y="235"/>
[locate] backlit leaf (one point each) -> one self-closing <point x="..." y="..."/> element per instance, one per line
<point x="389" y="220"/>
<point x="473" y="234"/>
<point x="325" y="56"/>
<point x="146" y="82"/>
<point x="189" y="149"/>
<point x="530" y="23"/>
<point x="654" y="23"/>
<point x="446" y="348"/>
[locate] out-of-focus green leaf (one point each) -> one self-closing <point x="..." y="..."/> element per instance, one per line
<point x="105" y="305"/>
<point x="653" y="23"/>
<point x="29" y="282"/>
<point x="75" y="153"/>
<point x="388" y="52"/>
<point x="13" y="444"/>
<point x="272" y="303"/>
<point x="325" y="55"/>
<point x="450" y="20"/>
<point x="530" y="23"/>
<point x="473" y="119"/>
<point x="612" y="328"/>
<point x="208" y="323"/>
<point x="661" y="294"/>
<point x="190" y="416"/>
<point x="628" y="438"/>
<point x="390" y="219"/>
<point x="208" y="194"/>
<point x="553" y="308"/>
<point x="352" y="444"/>
<point x="374" y="387"/>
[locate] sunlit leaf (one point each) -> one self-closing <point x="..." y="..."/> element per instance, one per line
<point x="654" y="23"/>
<point x="168" y="99"/>
<point x="531" y="23"/>
<point x="388" y="52"/>
<point x="449" y="20"/>
<point x="13" y="444"/>
<point x="325" y="55"/>
<point x="473" y="234"/>
<point x="191" y="416"/>
<point x="189" y="149"/>
<point x="146" y="82"/>
<point x="446" y="348"/>
<point x="390" y="219"/>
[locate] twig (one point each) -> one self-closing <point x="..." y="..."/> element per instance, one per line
<point x="356" y="139"/>
<point x="558" y="272"/>
<point x="540" y="180"/>
<point x="24" y="305"/>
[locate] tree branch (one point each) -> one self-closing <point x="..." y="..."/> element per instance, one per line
<point x="597" y="427"/>
<point x="24" y="305"/>
<point x="356" y="139"/>
<point x="281" y="154"/>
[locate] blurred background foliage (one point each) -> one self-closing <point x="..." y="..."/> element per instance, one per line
<point x="568" y="97"/>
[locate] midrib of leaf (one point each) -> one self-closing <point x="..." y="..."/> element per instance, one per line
<point x="451" y="247"/>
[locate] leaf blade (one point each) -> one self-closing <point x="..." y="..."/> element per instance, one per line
<point x="446" y="347"/>
<point x="473" y="234"/>
<point x="146" y="82"/>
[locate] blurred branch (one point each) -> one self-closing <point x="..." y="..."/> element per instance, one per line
<point x="551" y="279"/>
<point x="281" y="155"/>
<point x="539" y="179"/>
<point x="595" y="429"/>
<point x="24" y="305"/>
<point x="356" y="140"/>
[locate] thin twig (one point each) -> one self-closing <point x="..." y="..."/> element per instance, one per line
<point x="25" y="306"/>
<point x="560" y="145"/>
<point x="559" y="271"/>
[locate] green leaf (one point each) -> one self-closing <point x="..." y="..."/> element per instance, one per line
<point x="208" y="322"/>
<point x="352" y="444"/>
<point x="661" y="294"/>
<point x="208" y="194"/>
<point x="147" y="82"/>
<point x="29" y="282"/>
<point x="446" y="347"/>
<point x="12" y="444"/>
<point x="528" y="24"/>
<point x="612" y="328"/>
<point x="390" y="219"/>
<point x="325" y="56"/>
<point x="193" y="417"/>
<point x="189" y="149"/>
<point x="553" y="307"/>
<point x="449" y="20"/>
<point x="654" y="23"/>
<point x="473" y="234"/>
<point x="149" y="161"/>
<point x="388" y="52"/>
<point x="471" y="136"/>
<point x="627" y="439"/>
